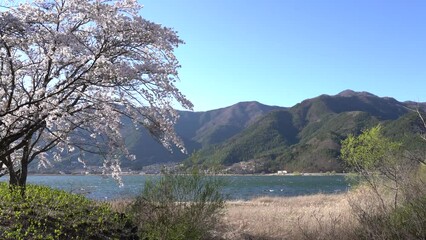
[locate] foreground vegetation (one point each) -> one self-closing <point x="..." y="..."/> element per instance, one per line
<point x="178" y="207"/>
<point x="46" y="213"/>
<point x="388" y="203"/>
<point x="393" y="200"/>
<point x="353" y="215"/>
<point x="174" y="207"/>
<point x="162" y="213"/>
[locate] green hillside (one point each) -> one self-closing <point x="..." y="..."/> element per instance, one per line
<point x="250" y="137"/>
<point x="272" y="131"/>
<point x="306" y="137"/>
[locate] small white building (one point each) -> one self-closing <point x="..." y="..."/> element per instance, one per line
<point x="282" y="172"/>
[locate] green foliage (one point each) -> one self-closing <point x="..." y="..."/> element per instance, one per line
<point x="45" y="213"/>
<point x="405" y="221"/>
<point x="422" y="171"/>
<point x="369" y="151"/>
<point x="179" y="207"/>
<point x="380" y="163"/>
<point x="395" y="204"/>
<point x="409" y="220"/>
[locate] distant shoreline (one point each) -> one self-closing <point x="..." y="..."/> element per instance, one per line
<point x="221" y="174"/>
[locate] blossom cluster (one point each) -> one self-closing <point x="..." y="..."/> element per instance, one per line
<point x="72" y="70"/>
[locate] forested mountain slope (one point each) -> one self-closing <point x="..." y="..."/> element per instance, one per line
<point x="307" y="136"/>
<point x="252" y="137"/>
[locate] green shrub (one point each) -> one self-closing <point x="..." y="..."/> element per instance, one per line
<point x="393" y="205"/>
<point x="179" y="207"/>
<point x="46" y="213"/>
<point x="409" y="220"/>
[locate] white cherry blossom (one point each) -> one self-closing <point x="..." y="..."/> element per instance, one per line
<point x="72" y="70"/>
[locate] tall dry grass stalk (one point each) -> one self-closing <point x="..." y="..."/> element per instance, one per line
<point x="318" y="216"/>
<point x="304" y="217"/>
<point x="121" y="205"/>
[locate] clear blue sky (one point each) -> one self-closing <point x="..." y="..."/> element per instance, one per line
<point x="280" y="52"/>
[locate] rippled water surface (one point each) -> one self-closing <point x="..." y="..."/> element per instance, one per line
<point x="237" y="187"/>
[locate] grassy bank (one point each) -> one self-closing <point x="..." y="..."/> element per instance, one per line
<point x="173" y="207"/>
<point x="45" y="213"/>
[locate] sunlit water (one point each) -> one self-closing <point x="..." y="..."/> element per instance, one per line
<point x="237" y="187"/>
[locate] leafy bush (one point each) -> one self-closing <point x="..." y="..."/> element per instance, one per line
<point x="409" y="220"/>
<point x="392" y="203"/>
<point x="45" y="213"/>
<point x="179" y="207"/>
<point x="406" y="221"/>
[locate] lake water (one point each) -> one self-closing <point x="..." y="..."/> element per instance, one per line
<point x="237" y="187"/>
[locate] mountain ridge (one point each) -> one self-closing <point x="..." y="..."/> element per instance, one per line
<point x="319" y="124"/>
<point x="304" y="137"/>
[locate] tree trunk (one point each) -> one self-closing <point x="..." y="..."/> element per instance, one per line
<point x="18" y="179"/>
<point x="13" y="177"/>
<point x="23" y="176"/>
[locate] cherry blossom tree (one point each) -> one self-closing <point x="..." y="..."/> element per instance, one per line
<point x="71" y="71"/>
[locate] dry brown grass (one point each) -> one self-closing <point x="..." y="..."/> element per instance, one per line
<point x="121" y="205"/>
<point x="304" y="217"/>
<point x="319" y="216"/>
<point x="361" y="213"/>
